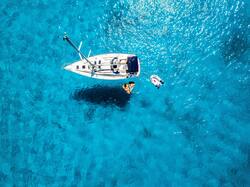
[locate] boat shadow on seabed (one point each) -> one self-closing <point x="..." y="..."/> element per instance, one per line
<point x="105" y="96"/>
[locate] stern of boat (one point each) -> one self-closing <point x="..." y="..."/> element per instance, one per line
<point x="133" y="66"/>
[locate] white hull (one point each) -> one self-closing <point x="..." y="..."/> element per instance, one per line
<point x="112" y="66"/>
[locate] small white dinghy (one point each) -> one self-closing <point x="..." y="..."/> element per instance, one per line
<point x="156" y="81"/>
<point x="113" y="66"/>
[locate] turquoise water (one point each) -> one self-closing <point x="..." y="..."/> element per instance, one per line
<point x="61" y="129"/>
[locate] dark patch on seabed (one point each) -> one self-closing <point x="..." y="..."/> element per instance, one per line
<point x="105" y="96"/>
<point x="235" y="46"/>
<point x="89" y="114"/>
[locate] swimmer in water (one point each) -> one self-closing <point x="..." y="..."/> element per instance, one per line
<point x="128" y="87"/>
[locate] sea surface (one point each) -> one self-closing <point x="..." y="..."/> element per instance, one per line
<point x="58" y="128"/>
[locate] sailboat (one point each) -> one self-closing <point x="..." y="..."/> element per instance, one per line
<point x="111" y="66"/>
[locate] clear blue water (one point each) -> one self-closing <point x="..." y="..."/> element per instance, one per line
<point x="194" y="131"/>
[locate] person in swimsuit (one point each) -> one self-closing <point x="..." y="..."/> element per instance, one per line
<point x="128" y="87"/>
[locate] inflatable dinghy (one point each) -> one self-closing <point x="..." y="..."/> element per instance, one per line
<point x="156" y="80"/>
